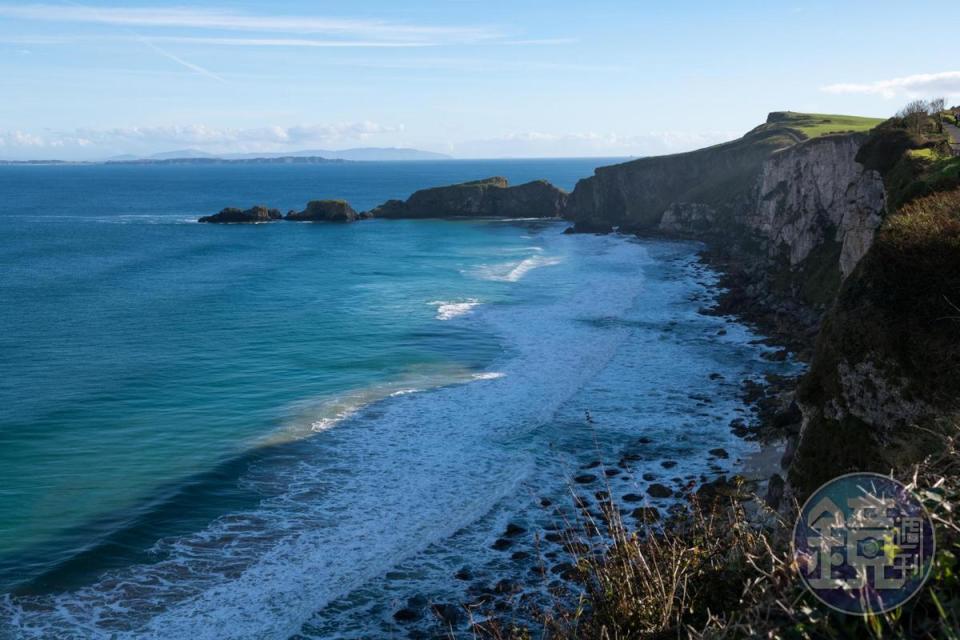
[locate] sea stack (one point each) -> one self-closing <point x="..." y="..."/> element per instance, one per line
<point x="491" y="197"/>
<point x="325" y="211"/>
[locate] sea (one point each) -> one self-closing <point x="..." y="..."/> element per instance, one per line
<point x="298" y="430"/>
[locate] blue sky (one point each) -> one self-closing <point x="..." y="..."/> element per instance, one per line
<point x="471" y="78"/>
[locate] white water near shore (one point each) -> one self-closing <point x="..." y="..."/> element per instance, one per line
<point x="419" y="478"/>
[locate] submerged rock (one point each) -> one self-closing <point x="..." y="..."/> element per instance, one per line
<point x="325" y="211"/>
<point x="233" y="215"/>
<point x="658" y="490"/>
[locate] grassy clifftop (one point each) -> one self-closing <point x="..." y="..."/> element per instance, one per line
<point x="814" y="125"/>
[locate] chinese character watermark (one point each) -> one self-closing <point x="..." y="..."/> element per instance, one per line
<point x="864" y="543"/>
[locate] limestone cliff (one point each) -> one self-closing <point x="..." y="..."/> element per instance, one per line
<point x="492" y="197"/>
<point x="634" y="195"/>
<point x="816" y="192"/>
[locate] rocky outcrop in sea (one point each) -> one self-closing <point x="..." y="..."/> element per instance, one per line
<point x="324" y="211"/>
<point x="233" y="215"/>
<point x="491" y="197"/>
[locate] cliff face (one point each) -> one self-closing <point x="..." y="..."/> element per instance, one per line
<point x="812" y="255"/>
<point x="493" y="197"/>
<point x="634" y="195"/>
<point x="816" y="192"/>
<point x="888" y="356"/>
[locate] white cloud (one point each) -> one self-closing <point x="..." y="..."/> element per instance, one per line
<point x="289" y="42"/>
<point x="534" y="144"/>
<point x="92" y="143"/>
<point x="182" y="17"/>
<point x="919" y="85"/>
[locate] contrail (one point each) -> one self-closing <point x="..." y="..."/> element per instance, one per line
<point x="189" y="65"/>
<point x="166" y="54"/>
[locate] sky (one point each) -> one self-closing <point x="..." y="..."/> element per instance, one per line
<point x="471" y="78"/>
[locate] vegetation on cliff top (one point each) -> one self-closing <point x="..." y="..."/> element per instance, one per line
<point x="814" y="125"/>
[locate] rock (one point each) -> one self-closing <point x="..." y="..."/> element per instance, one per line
<point x="514" y="530"/>
<point x="253" y="215"/>
<point x="589" y="226"/>
<point x="632" y="497"/>
<point x="464" y="573"/>
<point x="519" y="555"/>
<point x="775" y="490"/>
<point x="688" y="218"/>
<point x="657" y="490"/>
<point x="502" y="544"/>
<point x="450" y="615"/>
<point x="592" y="465"/>
<point x="324" y="211"/>
<point x="492" y="197"/>
<point x="715" y="376"/>
<point x="646" y="514"/>
<point x="507" y="586"/>
<point x="611" y="472"/>
<point x="545" y="502"/>
<point x="407" y="615"/>
<point x="585" y="478"/>
<point x="668" y="464"/>
<point x="719" y="453"/>
<point x="649" y="477"/>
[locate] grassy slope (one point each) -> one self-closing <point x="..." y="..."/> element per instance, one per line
<point x="814" y="125"/>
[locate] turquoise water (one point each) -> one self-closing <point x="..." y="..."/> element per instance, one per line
<point x="272" y="430"/>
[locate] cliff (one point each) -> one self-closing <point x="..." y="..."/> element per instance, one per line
<point x="492" y="197"/>
<point x="634" y="195"/>
<point x="815" y="193"/>
<point x="845" y="247"/>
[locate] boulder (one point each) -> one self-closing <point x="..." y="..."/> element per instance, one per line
<point x="657" y="490"/>
<point x="325" y="211"/>
<point x="233" y="215"/>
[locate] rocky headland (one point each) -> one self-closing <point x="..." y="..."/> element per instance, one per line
<point x="843" y="246"/>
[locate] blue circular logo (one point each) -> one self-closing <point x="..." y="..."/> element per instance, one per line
<point x="863" y="543"/>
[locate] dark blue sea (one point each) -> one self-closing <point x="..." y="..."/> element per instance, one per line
<point x="291" y="430"/>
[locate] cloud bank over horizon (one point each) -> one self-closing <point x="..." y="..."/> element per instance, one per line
<point x="98" y="144"/>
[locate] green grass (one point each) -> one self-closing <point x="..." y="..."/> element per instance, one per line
<point x="814" y="125"/>
<point x="924" y="154"/>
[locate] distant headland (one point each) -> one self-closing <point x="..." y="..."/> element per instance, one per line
<point x="311" y="156"/>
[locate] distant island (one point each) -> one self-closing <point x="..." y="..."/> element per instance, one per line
<point x="312" y="156"/>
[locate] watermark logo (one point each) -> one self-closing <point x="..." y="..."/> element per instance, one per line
<point x="864" y="543"/>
